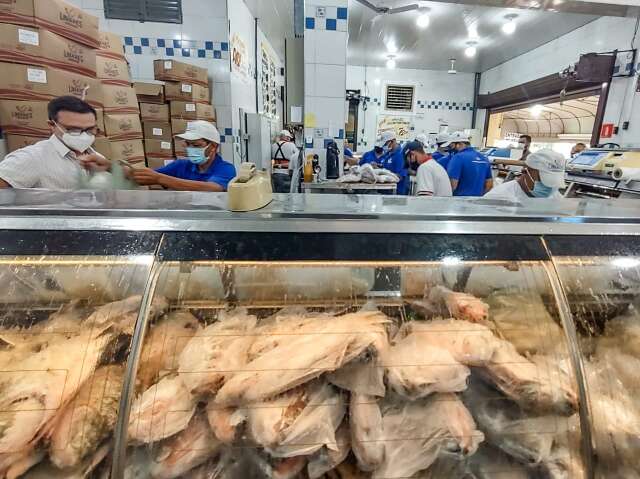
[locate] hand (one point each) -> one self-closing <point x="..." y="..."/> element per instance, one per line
<point x="94" y="162"/>
<point x="146" y="176"/>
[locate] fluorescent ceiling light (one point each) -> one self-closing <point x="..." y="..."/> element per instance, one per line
<point x="391" y="62"/>
<point x="392" y="48"/>
<point x="471" y="50"/>
<point x="423" y="21"/>
<point x="536" y="110"/>
<point x="509" y="28"/>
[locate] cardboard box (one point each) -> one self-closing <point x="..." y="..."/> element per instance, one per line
<point x="150" y="92"/>
<point x="19" y="12"/>
<point x="180" y="148"/>
<point x="123" y="127"/>
<point x="171" y="70"/>
<point x="128" y="150"/>
<point x="34" y="46"/>
<point x="67" y="21"/>
<point x="183" y="91"/>
<point x="26" y="118"/>
<point x="103" y="146"/>
<point x="179" y="126"/>
<point x="159" y="149"/>
<point x="154" y="112"/>
<point x="100" y="121"/>
<point x="156" y="163"/>
<point x="119" y="99"/>
<point x="111" y="46"/>
<point x="156" y="130"/>
<point x="16" y="142"/>
<point x="29" y="82"/>
<point x="113" y="71"/>
<point x="192" y="111"/>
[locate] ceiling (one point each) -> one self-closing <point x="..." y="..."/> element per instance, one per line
<point x="275" y="18"/>
<point x="448" y="34"/>
<point x="562" y="118"/>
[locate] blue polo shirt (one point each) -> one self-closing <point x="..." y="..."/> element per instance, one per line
<point x="394" y="161"/>
<point x="348" y="153"/>
<point x="472" y="170"/>
<point x="219" y="172"/>
<point x="370" y="157"/>
<point x="443" y="160"/>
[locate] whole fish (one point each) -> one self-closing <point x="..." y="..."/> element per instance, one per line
<point x="161" y="411"/>
<point x="225" y="422"/>
<point x="89" y="419"/>
<point x="460" y="305"/>
<point x="46" y="470"/>
<point x="365" y="419"/>
<point x="327" y="459"/>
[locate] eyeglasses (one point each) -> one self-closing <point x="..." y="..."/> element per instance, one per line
<point x="93" y="130"/>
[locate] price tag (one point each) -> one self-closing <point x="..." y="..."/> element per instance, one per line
<point x="36" y="75"/>
<point x="190" y="107"/>
<point x="157" y="132"/>
<point x="168" y="65"/>
<point x="165" y="145"/>
<point x="186" y="88"/>
<point x="28" y="37"/>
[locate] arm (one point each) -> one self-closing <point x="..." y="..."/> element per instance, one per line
<point x="16" y="172"/>
<point x="4" y="184"/>
<point x="425" y="183"/>
<point x="149" y="177"/>
<point x="488" y="185"/>
<point x="454" y="185"/>
<point x="455" y="172"/>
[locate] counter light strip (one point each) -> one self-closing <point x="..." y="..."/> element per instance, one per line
<point x="333" y="264"/>
<point x="141" y="260"/>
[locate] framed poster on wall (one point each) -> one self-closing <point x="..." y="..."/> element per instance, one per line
<point x="239" y="58"/>
<point x="401" y="125"/>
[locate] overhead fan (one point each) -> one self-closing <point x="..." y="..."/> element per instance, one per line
<point x="387" y="10"/>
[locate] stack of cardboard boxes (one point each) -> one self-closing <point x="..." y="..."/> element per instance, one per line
<point x="49" y="48"/>
<point x="167" y="108"/>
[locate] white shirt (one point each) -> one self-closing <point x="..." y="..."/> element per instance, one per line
<point x="290" y="153"/>
<point x="433" y="180"/>
<point x="512" y="191"/>
<point x="49" y="164"/>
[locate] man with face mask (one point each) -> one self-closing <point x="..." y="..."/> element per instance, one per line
<point x="541" y="178"/>
<point x="431" y="178"/>
<point x="393" y="160"/>
<point x="58" y="162"/>
<point x="203" y="170"/>
<point x="469" y="170"/>
<point x="374" y="157"/>
<point x="525" y="143"/>
<point x="445" y="151"/>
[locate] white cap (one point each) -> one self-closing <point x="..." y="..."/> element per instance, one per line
<point x="286" y="134"/>
<point x="201" y="130"/>
<point x="443" y="138"/>
<point x="422" y="138"/>
<point x="385" y="138"/>
<point x="457" y="137"/>
<point x="550" y="165"/>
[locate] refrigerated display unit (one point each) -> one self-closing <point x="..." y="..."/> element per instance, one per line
<point x="159" y="335"/>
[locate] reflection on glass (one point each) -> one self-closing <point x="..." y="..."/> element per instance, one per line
<point x="64" y="339"/>
<point x="605" y="311"/>
<point x="385" y="370"/>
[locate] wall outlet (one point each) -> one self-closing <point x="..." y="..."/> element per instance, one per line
<point x="625" y="125"/>
<point x="321" y="12"/>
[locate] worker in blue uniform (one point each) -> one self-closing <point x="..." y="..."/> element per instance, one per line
<point x="394" y="161"/>
<point x="469" y="170"/>
<point x="373" y="157"/>
<point x="445" y="152"/>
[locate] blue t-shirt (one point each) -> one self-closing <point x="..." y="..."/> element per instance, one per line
<point x="444" y="160"/>
<point x="219" y="172"/>
<point x="394" y="161"/>
<point x="370" y="157"/>
<point x="348" y="153"/>
<point x="437" y="155"/>
<point x="472" y="170"/>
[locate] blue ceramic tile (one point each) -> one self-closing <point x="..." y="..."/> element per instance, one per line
<point x="332" y="24"/>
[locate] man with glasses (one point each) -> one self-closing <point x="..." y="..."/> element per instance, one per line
<point x="58" y="162"/>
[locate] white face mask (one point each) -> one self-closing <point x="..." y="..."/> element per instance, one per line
<point x="79" y="142"/>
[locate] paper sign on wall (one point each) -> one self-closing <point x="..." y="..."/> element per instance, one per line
<point x="402" y="126"/>
<point x="239" y="58"/>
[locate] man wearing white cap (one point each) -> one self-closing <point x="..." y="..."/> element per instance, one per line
<point x="393" y="159"/>
<point x="541" y="178"/>
<point x="469" y="170"/>
<point x="284" y="154"/>
<point x="444" y="154"/>
<point x="203" y="170"/>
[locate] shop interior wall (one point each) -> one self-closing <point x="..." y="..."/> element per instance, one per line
<point x="435" y="94"/>
<point x="602" y="35"/>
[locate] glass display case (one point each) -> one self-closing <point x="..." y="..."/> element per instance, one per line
<point x="152" y="336"/>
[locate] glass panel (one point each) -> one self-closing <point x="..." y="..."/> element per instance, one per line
<point x="603" y="292"/>
<point x="65" y="330"/>
<point x="374" y="369"/>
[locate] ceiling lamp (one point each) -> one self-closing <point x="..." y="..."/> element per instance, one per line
<point x="423" y="19"/>
<point x="536" y="110"/>
<point x="509" y="27"/>
<point x="391" y="47"/>
<point x="391" y="62"/>
<point x="471" y="49"/>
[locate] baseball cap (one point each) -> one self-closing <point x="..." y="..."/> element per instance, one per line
<point x="286" y="133"/>
<point x="201" y="130"/>
<point x="550" y="165"/>
<point x="422" y="138"/>
<point x="413" y="146"/>
<point x="385" y="138"/>
<point x="457" y="137"/>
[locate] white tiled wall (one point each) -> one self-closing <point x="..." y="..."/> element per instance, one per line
<point x="430" y="86"/>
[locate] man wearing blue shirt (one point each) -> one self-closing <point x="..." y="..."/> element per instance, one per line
<point x="444" y="154"/>
<point x="374" y="157"/>
<point x="204" y="170"/>
<point x="393" y="160"/>
<point x="469" y="171"/>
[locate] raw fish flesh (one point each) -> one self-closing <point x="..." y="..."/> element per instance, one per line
<point x="416" y="368"/>
<point x="19" y="465"/>
<point x="88" y="419"/>
<point x="162" y="347"/>
<point x="216" y="352"/>
<point x="318" y="347"/>
<point x="460" y="305"/>
<point x="46" y="470"/>
<point x="161" y="411"/>
<point x="186" y="450"/>
<point x="363" y="375"/>
<point x="327" y="459"/>
<point x="365" y="420"/>
<point x="297" y="423"/>
<point x="225" y="422"/>
<point x="415" y="433"/>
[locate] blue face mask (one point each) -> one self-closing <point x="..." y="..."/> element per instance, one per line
<point x="197" y="155"/>
<point x="540" y="190"/>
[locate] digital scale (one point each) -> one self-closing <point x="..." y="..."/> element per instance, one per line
<point x="603" y="162"/>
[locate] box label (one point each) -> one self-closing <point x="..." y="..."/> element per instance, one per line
<point x="186" y="88"/>
<point x="36" y="75"/>
<point x="168" y="65"/>
<point x="190" y="107"/>
<point x="28" y="37"/>
<point x="165" y="145"/>
<point x="157" y="132"/>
